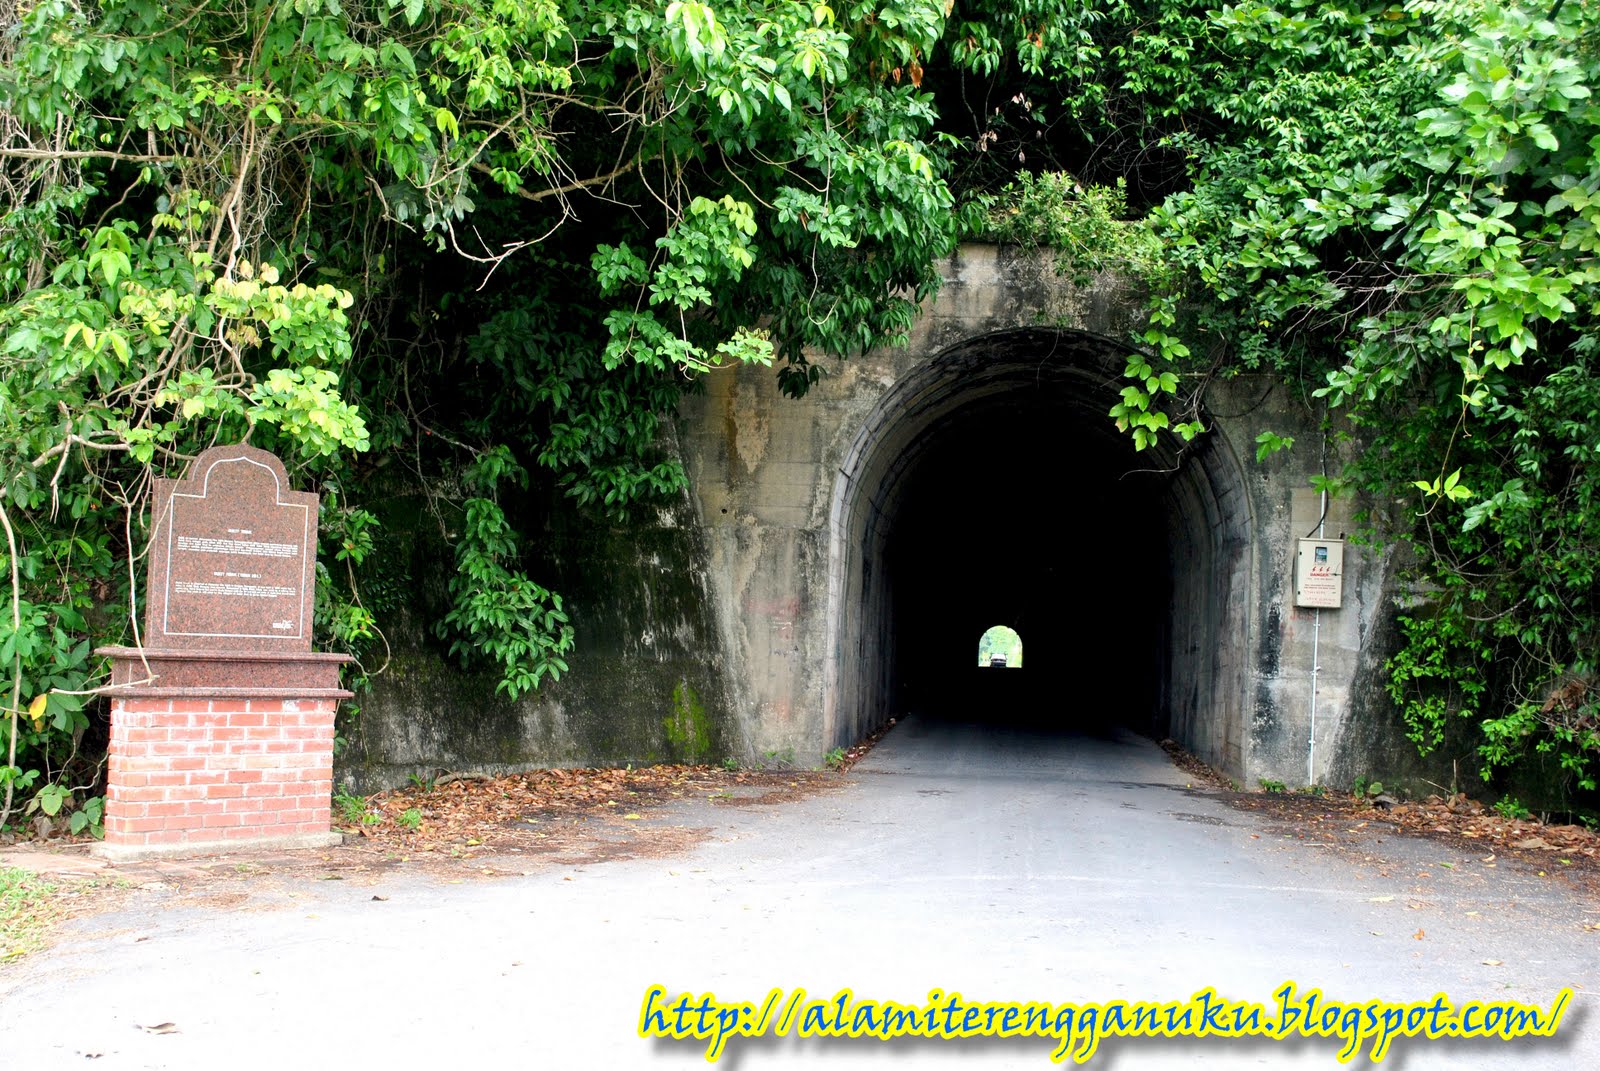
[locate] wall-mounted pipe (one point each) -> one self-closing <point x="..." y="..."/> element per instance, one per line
<point x="1316" y="629"/>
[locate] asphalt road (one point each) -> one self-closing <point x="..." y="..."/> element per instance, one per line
<point x="1000" y="864"/>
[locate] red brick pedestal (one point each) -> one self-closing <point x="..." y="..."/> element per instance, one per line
<point x="223" y="750"/>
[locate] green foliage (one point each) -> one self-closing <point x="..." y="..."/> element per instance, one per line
<point x="1153" y="374"/>
<point x="592" y="425"/>
<point x="498" y="612"/>
<point x="1435" y="675"/>
<point x="1393" y="209"/>
<point x="1269" y="443"/>
<point x="778" y="759"/>
<point x="54" y="799"/>
<point x="90" y="817"/>
<point x="332" y="228"/>
<point x="410" y="818"/>
<point x="1511" y="807"/>
<point x="1089" y="227"/>
<point x="1274" y="787"/>
<point x="352" y="810"/>
<point x="346" y="612"/>
<point x="1090" y="232"/>
<point x="834" y="759"/>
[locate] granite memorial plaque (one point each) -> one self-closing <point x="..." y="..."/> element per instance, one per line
<point x="232" y="556"/>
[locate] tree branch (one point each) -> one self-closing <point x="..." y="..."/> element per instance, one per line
<point x="68" y="443"/>
<point x="571" y="187"/>
<point x="88" y="154"/>
<point x="16" y="667"/>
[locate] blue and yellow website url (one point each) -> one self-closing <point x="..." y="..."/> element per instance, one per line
<point x="1079" y="1028"/>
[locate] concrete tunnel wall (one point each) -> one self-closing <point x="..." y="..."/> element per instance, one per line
<point x="756" y="616"/>
<point x="797" y="501"/>
<point x="1198" y="494"/>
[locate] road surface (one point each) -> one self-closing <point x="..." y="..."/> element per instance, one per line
<point x="1002" y="864"/>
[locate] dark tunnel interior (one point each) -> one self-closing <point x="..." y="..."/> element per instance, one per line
<point x="1020" y="512"/>
<point x="988" y="487"/>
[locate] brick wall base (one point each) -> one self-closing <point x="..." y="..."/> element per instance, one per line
<point x="187" y="776"/>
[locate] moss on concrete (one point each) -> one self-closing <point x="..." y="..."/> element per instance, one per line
<point x="688" y="731"/>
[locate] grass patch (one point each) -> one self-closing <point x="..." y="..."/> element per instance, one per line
<point x="28" y="907"/>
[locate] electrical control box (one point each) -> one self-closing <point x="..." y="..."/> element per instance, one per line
<point x="1319" y="573"/>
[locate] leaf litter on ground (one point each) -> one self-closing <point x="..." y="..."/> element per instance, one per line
<point x="516" y="811"/>
<point x="595" y="812"/>
<point x="1457" y="820"/>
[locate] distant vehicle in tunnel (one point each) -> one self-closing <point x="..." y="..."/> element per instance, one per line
<point x="997" y="662"/>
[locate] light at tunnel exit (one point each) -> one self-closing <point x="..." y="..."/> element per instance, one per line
<point x="1000" y="648"/>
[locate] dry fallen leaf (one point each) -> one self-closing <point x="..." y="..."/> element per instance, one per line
<point x="1494" y="963"/>
<point x="1419" y="935"/>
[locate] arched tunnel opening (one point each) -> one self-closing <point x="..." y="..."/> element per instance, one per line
<point x="1012" y="519"/>
<point x="990" y="488"/>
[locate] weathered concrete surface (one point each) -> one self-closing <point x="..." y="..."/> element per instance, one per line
<point x="1003" y="864"/>
<point x="647" y="680"/>
<point x="769" y="599"/>
<point x="798" y="500"/>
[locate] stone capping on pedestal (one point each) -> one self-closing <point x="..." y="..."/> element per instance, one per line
<point x="194" y="674"/>
<point x="222" y="724"/>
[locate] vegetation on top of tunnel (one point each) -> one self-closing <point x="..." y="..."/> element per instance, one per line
<point x="489" y="243"/>
<point x="1395" y="209"/>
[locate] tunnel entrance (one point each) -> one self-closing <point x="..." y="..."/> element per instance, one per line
<point x="1064" y="544"/>
<point x="989" y="487"/>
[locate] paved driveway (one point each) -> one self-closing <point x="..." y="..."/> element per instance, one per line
<point x="1005" y="865"/>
